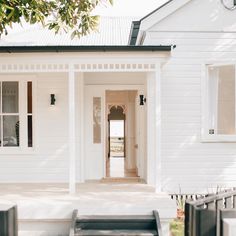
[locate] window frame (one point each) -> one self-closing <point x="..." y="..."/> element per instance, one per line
<point x="23" y="113"/>
<point x="205" y="86"/>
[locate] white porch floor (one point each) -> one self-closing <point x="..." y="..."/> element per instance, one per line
<point x="51" y="202"/>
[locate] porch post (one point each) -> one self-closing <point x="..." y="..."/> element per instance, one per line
<point x="151" y="129"/>
<point x="154" y="129"/>
<point x="158" y="128"/>
<point x="72" y="139"/>
<point x="81" y="125"/>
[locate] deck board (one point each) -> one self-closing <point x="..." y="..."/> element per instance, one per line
<point x="53" y="202"/>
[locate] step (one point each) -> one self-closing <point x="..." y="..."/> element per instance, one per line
<point x="122" y="180"/>
<point x="139" y="225"/>
<point x="116" y="222"/>
<point x="117" y="232"/>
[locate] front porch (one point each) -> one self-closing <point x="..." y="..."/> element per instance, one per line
<point x="64" y="146"/>
<point x="46" y="209"/>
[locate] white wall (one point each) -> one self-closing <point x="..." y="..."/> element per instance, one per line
<point x="48" y="161"/>
<point x="199" y="15"/>
<point x="118" y="78"/>
<point x="197" y="31"/>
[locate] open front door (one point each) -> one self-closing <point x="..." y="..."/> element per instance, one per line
<point x="140" y="137"/>
<point x="94" y="132"/>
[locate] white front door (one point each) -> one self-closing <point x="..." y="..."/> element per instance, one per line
<point x="140" y="136"/>
<point x="94" y="132"/>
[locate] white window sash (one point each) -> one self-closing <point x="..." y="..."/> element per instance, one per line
<point x="205" y="101"/>
<point x="23" y="114"/>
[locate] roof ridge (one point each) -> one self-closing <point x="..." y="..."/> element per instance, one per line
<point x="157" y="9"/>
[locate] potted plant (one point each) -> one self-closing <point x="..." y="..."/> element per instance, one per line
<point x="180" y="202"/>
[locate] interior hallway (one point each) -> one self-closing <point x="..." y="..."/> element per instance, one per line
<point x="121" y="159"/>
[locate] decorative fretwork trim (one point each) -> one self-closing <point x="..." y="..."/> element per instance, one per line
<point x="86" y="67"/>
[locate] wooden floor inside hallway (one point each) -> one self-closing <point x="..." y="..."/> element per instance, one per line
<point x="115" y="168"/>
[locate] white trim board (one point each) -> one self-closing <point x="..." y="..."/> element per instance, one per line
<point x="153" y="82"/>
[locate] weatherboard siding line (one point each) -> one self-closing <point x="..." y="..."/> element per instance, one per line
<point x="189" y="163"/>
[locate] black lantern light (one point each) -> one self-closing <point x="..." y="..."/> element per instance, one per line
<point x="142" y="100"/>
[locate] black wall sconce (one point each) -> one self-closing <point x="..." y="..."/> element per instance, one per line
<point x="53" y="99"/>
<point x="142" y="100"/>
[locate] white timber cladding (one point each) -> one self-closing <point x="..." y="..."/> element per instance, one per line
<point x="49" y="160"/>
<point x="190" y="165"/>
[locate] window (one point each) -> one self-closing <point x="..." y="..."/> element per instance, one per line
<point x="96" y="120"/>
<point x="16" y="114"/>
<point x="29" y="115"/>
<point x="219" y="103"/>
<point x="9" y="117"/>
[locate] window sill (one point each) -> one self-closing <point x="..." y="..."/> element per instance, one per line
<point x="16" y="151"/>
<point x="218" y="138"/>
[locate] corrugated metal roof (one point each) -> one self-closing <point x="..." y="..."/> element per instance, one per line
<point x="112" y="31"/>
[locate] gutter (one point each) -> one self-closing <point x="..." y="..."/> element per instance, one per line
<point x="44" y="49"/>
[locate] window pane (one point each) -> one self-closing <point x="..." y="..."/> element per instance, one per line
<point x="29" y="97"/>
<point x="10" y="97"/>
<point x="11" y="131"/>
<point x="222" y="99"/>
<point x="226" y="100"/>
<point x="30" y="131"/>
<point x="96" y="120"/>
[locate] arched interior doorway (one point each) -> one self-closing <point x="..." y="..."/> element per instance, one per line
<point x="116" y="131"/>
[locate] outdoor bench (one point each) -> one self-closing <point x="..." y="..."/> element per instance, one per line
<point x="8" y="220"/>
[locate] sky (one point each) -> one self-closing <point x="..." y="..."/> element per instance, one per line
<point x="129" y="8"/>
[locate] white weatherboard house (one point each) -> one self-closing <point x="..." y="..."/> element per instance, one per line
<point x="181" y="57"/>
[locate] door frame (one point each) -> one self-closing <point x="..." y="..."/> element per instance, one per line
<point x="153" y="112"/>
<point x="115" y="88"/>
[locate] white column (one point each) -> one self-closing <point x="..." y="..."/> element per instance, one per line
<point x="72" y="138"/>
<point x="158" y="128"/>
<point x="151" y="129"/>
<point x="154" y="167"/>
<point x="81" y="125"/>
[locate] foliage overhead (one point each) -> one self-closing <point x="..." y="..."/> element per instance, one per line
<point x="69" y="15"/>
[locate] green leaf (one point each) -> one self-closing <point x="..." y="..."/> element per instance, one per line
<point x="67" y="15"/>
